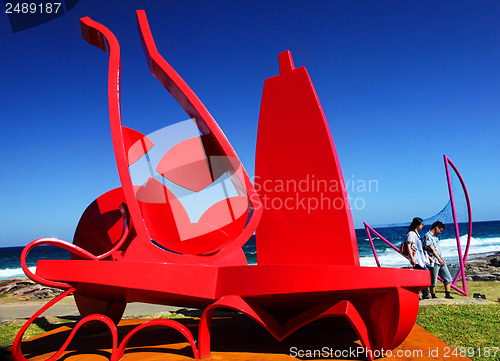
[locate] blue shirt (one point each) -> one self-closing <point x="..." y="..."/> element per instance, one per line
<point x="431" y="240"/>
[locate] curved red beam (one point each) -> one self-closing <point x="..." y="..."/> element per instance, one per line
<point x="100" y="36"/>
<point x="195" y="109"/>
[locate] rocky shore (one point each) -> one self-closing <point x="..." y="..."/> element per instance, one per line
<point x="26" y="289"/>
<point x="485" y="268"/>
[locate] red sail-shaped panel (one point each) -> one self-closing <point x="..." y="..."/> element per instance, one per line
<point x="196" y="162"/>
<point x="307" y="219"/>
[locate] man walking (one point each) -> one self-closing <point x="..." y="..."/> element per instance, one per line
<point x="431" y="243"/>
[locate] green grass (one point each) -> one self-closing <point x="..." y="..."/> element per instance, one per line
<point x="490" y="289"/>
<point x="174" y="315"/>
<point x="9" y="332"/>
<point x="467" y="326"/>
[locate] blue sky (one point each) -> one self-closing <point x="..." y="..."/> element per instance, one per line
<point x="400" y="85"/>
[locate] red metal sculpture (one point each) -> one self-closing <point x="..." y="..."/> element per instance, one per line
<point x="151" y="251"/>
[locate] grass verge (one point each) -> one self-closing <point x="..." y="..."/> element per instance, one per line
<point x="491" y="289"/>
<point x="468" y="326"/>
<point x="9" y="332"/>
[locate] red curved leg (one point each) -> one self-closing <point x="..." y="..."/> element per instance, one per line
<point x="389" y="316"/>
<point x="17" y="354"/>
<point x="168" y="323"/>
<point x="407" y="309"/>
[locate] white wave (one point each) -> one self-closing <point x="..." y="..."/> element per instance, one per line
<point x="14" y="272"/>
<point x="477" y="245"/>
<point x="390" y="258"/>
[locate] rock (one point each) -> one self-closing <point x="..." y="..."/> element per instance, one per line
<point x="495" y="262"/>
<point x="11" y="285"/>
<point x="484" y="277"/>
<point x="27" y="289"/>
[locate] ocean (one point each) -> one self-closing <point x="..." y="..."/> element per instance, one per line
<point x="485" y="240"/>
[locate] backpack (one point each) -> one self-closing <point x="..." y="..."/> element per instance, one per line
<point x="403" y="249"/>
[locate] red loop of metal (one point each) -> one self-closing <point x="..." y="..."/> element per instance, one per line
<point x="116" y="351"/>
<point x="73" y="249"/>
<point x="228" y="251"/>
<point x="168" y="323"/>
<point x="16" y="347"/>
<point x="57" y="243"/>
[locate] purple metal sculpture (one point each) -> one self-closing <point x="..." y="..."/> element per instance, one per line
<point x="461" y="257"/>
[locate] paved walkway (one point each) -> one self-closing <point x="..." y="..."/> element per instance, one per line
<point x="12" y="310"/>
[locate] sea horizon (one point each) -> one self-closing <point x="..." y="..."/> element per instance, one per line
<point x="485" y="241"/>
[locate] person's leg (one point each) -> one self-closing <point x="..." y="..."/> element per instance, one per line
<point x="434" y="275"/>
<point x="425" y="292"/>
<point x="446" y="276"/>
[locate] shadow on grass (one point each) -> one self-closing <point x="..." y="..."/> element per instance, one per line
<point x="46" y="325"/>
<point x="229" y="334"/>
